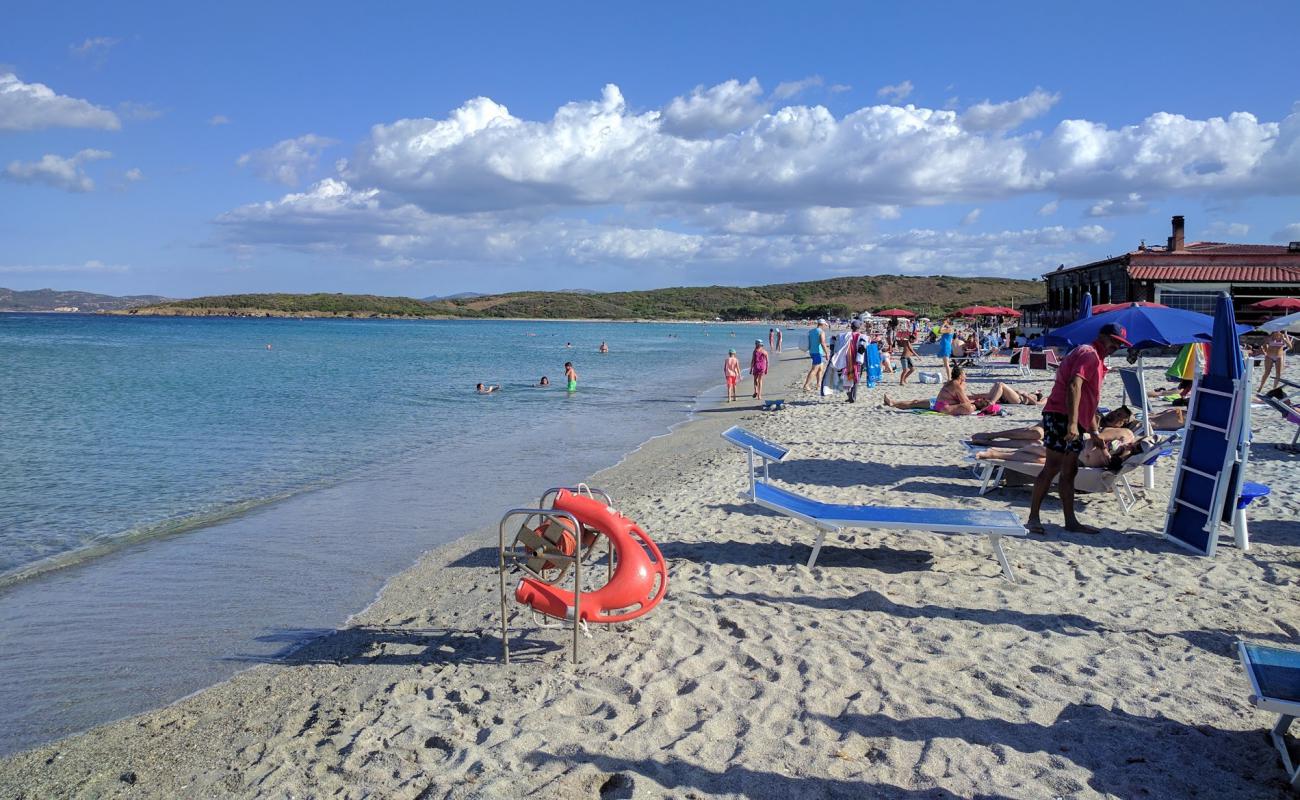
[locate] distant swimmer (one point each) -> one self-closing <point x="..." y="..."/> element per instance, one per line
<point x="545" y="381"/>
<point x="604" y="348"/>
<point x="268" y="345"/>
<point x="482" y="389"/>
<point x="571" y="376"/>
<point x="568" y="344"/>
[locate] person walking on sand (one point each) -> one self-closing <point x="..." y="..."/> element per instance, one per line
<point x="1275" y="347"/>
<point x="758" y="367"/>
<point x="779" y="336"/>
<point x="852" y="349"/>
<point x="570" y="376"/>
<point x="1074" y="398"/>
<point x="906" y="360"/>
<point x="817" y="351"/>
<point x="731" y="371"/>
<point x="945" y="348"/>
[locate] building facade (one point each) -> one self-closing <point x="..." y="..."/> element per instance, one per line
<point x="1178" y="274"/>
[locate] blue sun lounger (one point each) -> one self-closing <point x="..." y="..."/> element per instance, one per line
<point x="755" y="446"/>
<point x="835" y="517"/>
<point x="1274" y="675"/>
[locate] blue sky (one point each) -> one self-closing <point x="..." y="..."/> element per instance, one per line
<point x="181" y="149"/>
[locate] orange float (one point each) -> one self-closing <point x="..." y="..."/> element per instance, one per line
<point x="568" y="535"/>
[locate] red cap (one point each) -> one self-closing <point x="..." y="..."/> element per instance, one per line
<point x="1116" y="332"/>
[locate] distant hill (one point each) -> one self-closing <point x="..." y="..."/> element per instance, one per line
<point x="457" y="296"/>
<point x="839" y="297"/>
<point x="51" y="299"/>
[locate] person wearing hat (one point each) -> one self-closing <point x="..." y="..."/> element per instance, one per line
<point x="1070" y="414"/>
<point x="817" y="351"/>
<point x="758" y="367"/>
<point x="731" y="371"/>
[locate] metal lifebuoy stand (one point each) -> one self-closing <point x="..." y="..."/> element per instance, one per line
<point x="556" y="557"/>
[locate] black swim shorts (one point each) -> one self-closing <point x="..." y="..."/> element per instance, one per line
<point x="1055" y="427"/>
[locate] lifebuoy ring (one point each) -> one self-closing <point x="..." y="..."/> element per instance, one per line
<point x="640" y="578"/>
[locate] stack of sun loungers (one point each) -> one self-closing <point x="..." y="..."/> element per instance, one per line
<point x="834" y="517"/>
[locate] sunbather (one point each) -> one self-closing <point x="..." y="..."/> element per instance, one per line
<point x="1097" y="453"/>
<point x="952" y="398"/>
<point x="1111" y="426"/>
<point x="1169" y="419"/>
<point x="1001" y="393"/>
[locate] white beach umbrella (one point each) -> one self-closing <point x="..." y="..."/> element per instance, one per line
<point x="1291" y="322"/>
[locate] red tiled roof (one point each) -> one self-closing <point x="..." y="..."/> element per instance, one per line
<point x="1214" y="273"/>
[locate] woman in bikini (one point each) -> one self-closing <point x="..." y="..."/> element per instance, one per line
<point x="1112" y="426"/>
<point x="952" y="398"/>
<point x="1097" y="452"/>
<point x="1001" y="393"/>
<point x="1275" y="348"/>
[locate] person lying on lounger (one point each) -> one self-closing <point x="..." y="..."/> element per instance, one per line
<point x="952" y="398"/>
<point x="1097" y="452"/>
<point x="1111" y="426"/>
<point x="1169" y="419"/>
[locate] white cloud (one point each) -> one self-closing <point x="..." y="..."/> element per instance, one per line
<point x="1290" y="233"/>
<point x="989" y="116"/>
<point x="898" y="91"/>
<point x="796" y="184"/>
<point x="88" y="267"/>
<point x="720" y="109"/>
<point x="94" y="47"/>
<point x="57" y="171"/>
<point x="134" y="174"/>
<point x="971" y="217"/>
<point x="788" y="89"/>
<point x="1132" y="204"/>
<point x="1232" y="230"/>
<point x="219" y="119"/>
<point x="288" y="162"/>
<point x="33" y="106"/>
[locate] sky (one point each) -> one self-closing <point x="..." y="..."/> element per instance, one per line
<point x="427" y="149"/>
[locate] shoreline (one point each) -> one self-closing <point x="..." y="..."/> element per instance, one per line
<point x="902" y="666"/>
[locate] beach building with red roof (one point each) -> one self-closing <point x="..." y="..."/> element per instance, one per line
<point x="1179" y="274"/>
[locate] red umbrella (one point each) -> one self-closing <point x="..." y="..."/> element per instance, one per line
<point x="977" y="311"/>
<point x="896" y="312"/>
<point x="1278" y="304"/>
<point x="1112" y="306"/>
<point x="1003" y="311"/>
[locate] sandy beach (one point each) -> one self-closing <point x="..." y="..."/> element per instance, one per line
<point x="902" y="666"/>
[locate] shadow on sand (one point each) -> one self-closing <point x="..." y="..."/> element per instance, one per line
<point x="365" y="645"/>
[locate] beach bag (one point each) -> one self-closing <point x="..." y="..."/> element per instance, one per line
<point x="928" y="377"/>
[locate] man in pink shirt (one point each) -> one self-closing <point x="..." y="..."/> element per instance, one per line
<point x="1071" y="411"/>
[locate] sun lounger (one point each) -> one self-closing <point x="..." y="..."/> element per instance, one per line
<point x="987" y="363"/>
<point x="1290" y="415"/>
<point x="755" y="446"/>
<point x="836" y="516"/>
<point x="1046" y="359"/>
<point x="991" y="472"/>
<point x="1135" y="394"/>
<point x="1274" y="675"/>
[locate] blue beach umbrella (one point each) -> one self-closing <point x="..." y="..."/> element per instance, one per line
<point x="1085" y="306"/>
<point x="1147" y="326"/>
<point x="1225" y="352"/>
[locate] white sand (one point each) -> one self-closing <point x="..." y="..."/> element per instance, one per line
<point x="903" y="666"/>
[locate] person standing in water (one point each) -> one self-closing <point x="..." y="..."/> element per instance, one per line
<point x="731" y="371"/>
<point x="758" y="367"/>
<point x="604" y="348"/>
<point x="571" y="376"/>
<point x="779" y="336"/>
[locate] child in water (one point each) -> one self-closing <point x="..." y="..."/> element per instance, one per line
<point x="731" y="371"/>
<point x="571" y="375"/>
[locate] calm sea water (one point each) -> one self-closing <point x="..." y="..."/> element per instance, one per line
<point x="205" y="497"/>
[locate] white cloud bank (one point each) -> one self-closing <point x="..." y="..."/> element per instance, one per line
<point x="718" y="175"/>
<point x="34" y="106"/>
<point x="57" y="171"/>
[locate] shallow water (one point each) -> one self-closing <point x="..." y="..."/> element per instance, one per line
<point x="208" y="491"/>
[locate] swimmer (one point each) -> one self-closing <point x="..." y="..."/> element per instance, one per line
<point x="604" y="348"/>
<point x="571" y="377"/>
<point x="268" y="345"/>
<point x="484" y="389"/>
<point x="545" y="381"/>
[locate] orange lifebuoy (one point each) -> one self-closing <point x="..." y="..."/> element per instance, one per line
<point x="638" y="582"/>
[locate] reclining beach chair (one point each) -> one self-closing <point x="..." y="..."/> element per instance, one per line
<point x="1274" y="675"/>
<point x="1046" y="359"/>
<point x="1094" y="480"/>
<point x="1290" y="415"/>
<point x="1019" y="366"/>
<point x="1135" y="394"/>
<point x="837" y="516"/>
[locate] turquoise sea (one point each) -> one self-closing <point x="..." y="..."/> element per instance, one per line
<point x="175" y="491"/>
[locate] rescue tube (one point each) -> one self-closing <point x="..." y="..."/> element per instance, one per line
<point x="640" y="577"/>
